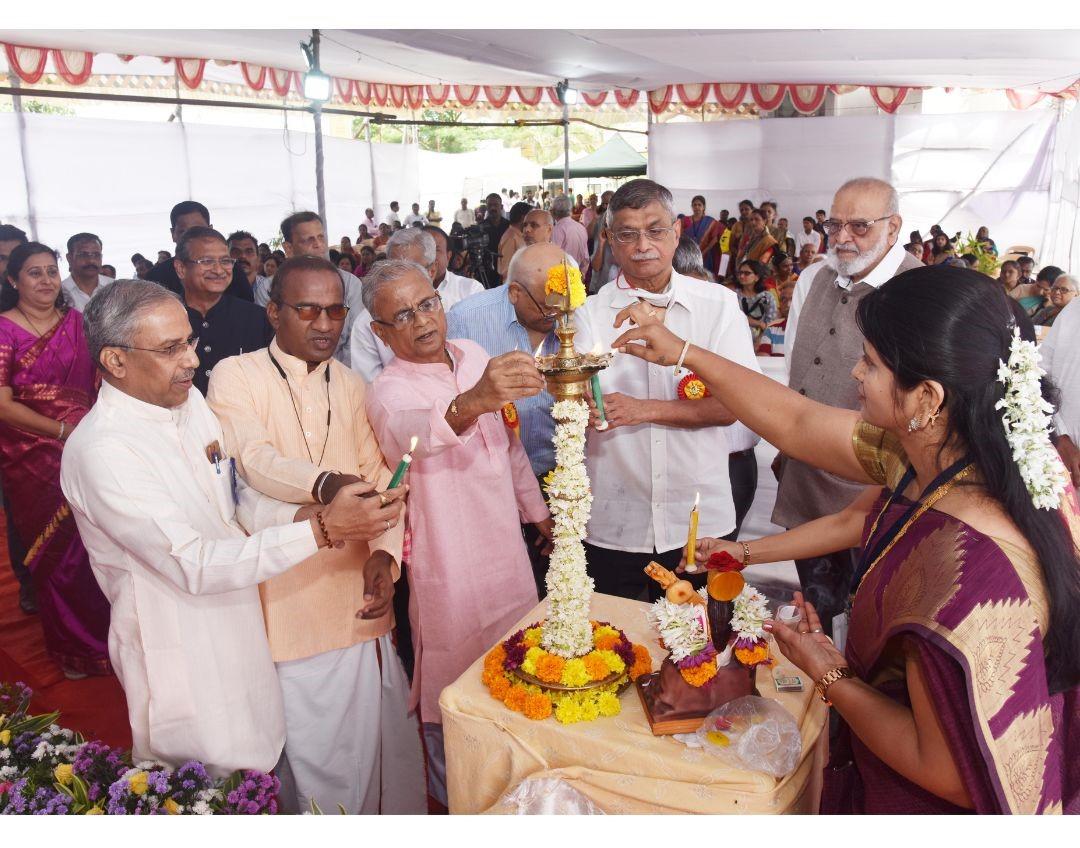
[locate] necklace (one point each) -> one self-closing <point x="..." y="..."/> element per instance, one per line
<point x="296" y="412"/>
<point x="34" y="326"/>
<point x="939" y="489"/>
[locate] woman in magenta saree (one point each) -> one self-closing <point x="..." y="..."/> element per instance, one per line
<point x="47" y="384"/>
<point x="959" y="686"/>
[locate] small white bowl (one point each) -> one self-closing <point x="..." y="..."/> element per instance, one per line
<point x="789" y="615"/>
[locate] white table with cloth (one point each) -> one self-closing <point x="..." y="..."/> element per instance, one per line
<point x="616" y="762"/>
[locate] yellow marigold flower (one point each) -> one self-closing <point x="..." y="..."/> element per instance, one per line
<point x="614" y="661"/>
<point x="568" y="711"/>
<point x="574" y="673"/>
<point x="95" y="811"/>
<point x="138" y="783"/>
<point x="589" y="710"/>
<point x="561" y="276"/>
<point x="5" y="737"/>
<point x="532" y="637"/>
<point x="608" y="704"/>
<point x="63" y="773"/>
<point x="171" y="807"/>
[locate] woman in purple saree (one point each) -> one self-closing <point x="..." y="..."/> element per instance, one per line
<point x="47" y="384"/>
<point x="959" y="689"/>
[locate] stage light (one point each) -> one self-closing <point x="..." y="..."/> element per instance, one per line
<point x="567" y="95"/>
<point x="316" y="86"/>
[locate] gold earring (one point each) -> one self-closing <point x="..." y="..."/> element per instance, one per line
<point x="932" y="420"/>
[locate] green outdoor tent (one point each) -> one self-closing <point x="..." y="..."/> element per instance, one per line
<point x="615" y="158"/>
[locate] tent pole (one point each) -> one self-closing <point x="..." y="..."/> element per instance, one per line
<point x="316" y="113"/>
<point x="20" y="123"/>
<point x="566" y="147"/>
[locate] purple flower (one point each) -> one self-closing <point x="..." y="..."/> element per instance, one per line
<point x="625" y="650"/>
<point x="14" y="698"/>
<point x="515" y="655"/>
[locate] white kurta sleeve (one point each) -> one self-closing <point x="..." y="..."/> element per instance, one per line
<point x="364" y="356"/>
<point x="124" y="498"/>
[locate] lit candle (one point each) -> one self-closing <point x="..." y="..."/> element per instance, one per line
<point x="691" y="542"/>
<point x="403" y="466"/>
<point x="598" y="396"/>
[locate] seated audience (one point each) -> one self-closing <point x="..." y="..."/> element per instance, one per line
<point x="1061" y="294"/>
<point x="757" y="302"/>
<point x="783" y="270"/>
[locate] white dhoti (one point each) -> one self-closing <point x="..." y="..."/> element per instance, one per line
<point x="349" y="736"/>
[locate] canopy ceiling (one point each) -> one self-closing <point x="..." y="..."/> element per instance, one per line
<point x="615" y="158"/>
<point x="598" y="60"/>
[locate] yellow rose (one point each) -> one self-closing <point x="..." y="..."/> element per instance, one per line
<point x="63" y="773"/>
<point x="138" y="783"/>
<point x="95" y="811"/>
<point x="5" y="737"/>
<point x="171" y="807"/>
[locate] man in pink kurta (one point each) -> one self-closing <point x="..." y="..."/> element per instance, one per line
<point x="471" y="484"/>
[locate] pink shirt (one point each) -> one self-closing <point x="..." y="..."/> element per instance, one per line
<point x="573" y="238"/>
<point x="469" y="571"/>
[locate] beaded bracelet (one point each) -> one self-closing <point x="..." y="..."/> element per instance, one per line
<point x="322" y="528"/>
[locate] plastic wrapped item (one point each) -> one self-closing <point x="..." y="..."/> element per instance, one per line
<point x="753" y="733"/>
<point x="547" y="796"/>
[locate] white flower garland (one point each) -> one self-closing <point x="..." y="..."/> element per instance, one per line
<point x="751" y="611"/>
<point x="567" y="631"/>
<point x="1027" y="420"/>
<point x="681" y="626"/>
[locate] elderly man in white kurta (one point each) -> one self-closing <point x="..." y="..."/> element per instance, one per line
<point x="155" y="500"/>
<point x="662" y="446"/>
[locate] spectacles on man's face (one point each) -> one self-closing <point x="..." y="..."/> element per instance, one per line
<point x="311" y="311"/>
<point x="208" y="262"/>
<point x="634" y="236"/>
<point x="401" y="320"/>
<point x="858" y="227"/>
<point x="88" y="254"/>
<point x="173" y="351"/>
<point x="548" y="315"/>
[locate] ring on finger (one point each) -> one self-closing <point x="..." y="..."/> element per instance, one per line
<point x="383" y="500"/>
<point x="387" y="520"/>
<point x="816" y="630"/>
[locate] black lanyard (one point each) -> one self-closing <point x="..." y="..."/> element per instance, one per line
<point x="872" y="551"/>
<point x="296" y="412"/>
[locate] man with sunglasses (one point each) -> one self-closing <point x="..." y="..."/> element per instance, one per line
<point x="224" y="325"/>
<point x="822" y="343"/>
<point x="294" y="419"/>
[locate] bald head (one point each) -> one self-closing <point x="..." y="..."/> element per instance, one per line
<point x="537" y="227"/>
<point x="871" y="190"/>
<point x="526" y="278"/>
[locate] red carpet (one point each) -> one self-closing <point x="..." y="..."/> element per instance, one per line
<point x="94" y="706"/>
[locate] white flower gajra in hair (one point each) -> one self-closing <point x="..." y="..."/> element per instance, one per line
<point x="1027" y="420"/>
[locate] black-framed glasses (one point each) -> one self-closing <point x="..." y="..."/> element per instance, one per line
<point x="311" y="311"/>
<point x="633" y="236"/>
<point x="173" y="351"/>
<point x="401" y="320"/>
<point x="1061" y="290"/>
<point x="208" y="262"/>
<point x="858" y="227"/>
<point x="548" y="315"/>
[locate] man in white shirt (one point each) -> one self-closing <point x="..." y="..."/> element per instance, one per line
<point x="1060" y="354"/>
<point x="822" y="343"/>
<point x="156" y="503"/>
<point x="465" y="216"/>
<point x="659" y="449"/>
<point x="84" y="262"/>
<point x="304" y="234"/>
<point x="415" y="217"/>
<point x="808" y="236"/>
<point x="245" y="250"/>
<point x="427" y="247"/>
<point x="370" y="222"/>
<point x="393" y="217"/>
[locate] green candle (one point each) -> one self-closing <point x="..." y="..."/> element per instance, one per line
<point x="598" y="399"/>
<point x="403" y="466"/>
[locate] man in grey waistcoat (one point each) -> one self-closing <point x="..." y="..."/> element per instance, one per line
<point x="823" y="344"/>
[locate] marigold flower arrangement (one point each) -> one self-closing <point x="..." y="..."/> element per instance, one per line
<point x="613" y="658"/>
<point x="560" y="277"/>
<point x="49" y="770"/>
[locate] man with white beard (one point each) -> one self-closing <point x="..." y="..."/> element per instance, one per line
<point x="823" y="343"/>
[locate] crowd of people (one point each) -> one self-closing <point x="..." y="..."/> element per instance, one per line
<point x="196" y="466"/>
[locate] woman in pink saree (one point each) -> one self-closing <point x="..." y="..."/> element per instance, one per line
<point x="959" y="688"/>
<point x="47" y="384"/>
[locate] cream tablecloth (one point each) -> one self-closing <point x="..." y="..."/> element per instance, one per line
<point x="617" y="762"/>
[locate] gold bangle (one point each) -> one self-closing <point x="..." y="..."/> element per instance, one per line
<point x="829" y="678"/>
<point x="745" y="554"/>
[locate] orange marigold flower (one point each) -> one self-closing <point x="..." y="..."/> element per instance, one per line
<point x="642" y="662"/>
<point x="516" y="697"/>
<point x="606" y="642"/>
<point x="549" y="668"/>
<point x="753" y="656"/>
<point x="595" y="665"/>
<point x="499" y="687"/>
<point x="495" y="659"/>
<point x="537" y="707"/>
<point x="699" y="675"/>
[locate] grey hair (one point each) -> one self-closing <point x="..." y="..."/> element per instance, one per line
<point x="113" y="315"/>
<point x="183" y="247"/>
<point x="385" y="273"/>
<point x="547" y="215"/>
<point x="637" y="194"/>
<point x="410" y="237"/>
<point x="892" y="199"/>
<point x="560" y="206"/>
<point x="1071" y="280"/>
<point x="516" y="259"/>
<point x="687" y="259"/>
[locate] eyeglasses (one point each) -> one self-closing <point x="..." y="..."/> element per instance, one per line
<point x="857" y="227"/>
<point x="173" y="351"/>
<point x="88" y="254"/>
<point x="311" y="311"/>
<point x="548" y="314"/>
<point x="405" y="317"/>
<point x="1061" y="290"/>
<point x="633" y="236"/>
<point x="208" y="262"/>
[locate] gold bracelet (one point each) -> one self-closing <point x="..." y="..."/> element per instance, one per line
<point x="745" y="554"/>
<point x="829" y="678"/>
<point x="453" y="406"/>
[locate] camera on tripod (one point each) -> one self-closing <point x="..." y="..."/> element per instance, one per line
<point x="476" y="242"/>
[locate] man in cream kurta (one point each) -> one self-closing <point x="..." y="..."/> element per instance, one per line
<point x="278" y="408"/>
<point x="154" y="502"/>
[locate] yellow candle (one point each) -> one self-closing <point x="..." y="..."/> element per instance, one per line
<point x="691" y="541"/>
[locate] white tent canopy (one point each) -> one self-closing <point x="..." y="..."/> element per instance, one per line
<point x="639" y="59"/>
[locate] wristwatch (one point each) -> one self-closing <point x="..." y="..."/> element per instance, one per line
<point x="829" y="678"/>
